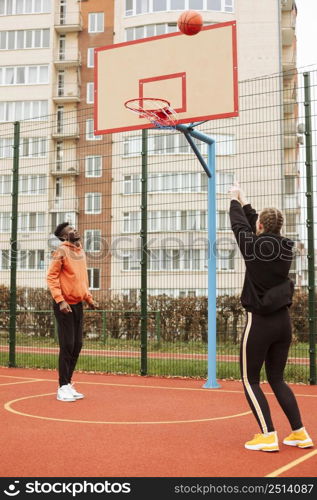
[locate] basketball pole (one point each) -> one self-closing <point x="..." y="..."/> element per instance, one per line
<point x="210" y="169"/>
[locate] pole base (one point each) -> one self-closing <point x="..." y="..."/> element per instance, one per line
<point x="211" y="384"/>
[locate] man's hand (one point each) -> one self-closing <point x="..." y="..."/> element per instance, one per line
<point x="93" y="305"/>
<point x="64" y="307"/>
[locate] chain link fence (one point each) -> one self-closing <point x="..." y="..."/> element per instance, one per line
<point x="66" y="173"/>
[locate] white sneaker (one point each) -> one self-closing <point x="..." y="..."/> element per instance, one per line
<point x="64" y="394"/>
<point x="76" y="395"/>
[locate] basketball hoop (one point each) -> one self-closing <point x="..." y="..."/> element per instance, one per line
<point x="157" y="111"/>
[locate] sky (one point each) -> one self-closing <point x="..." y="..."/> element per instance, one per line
<point x="306" y="30"/>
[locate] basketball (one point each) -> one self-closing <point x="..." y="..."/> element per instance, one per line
<point x="190" y="22"/>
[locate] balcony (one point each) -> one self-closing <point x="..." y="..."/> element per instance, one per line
<point x="289" y="106"/>
<point x="68" y="22"/>
<point x="290" y="127"/>
<point x="63" y="169"/>
<point x="68" y="58"/>
<point x="64" y="205"/>
<point x="289" y="70"/>
<point x="67" y="93"/>
<point x="290" y="141"/>
<point x="291" y="202"/>
<point x="288" y="35"/>
<point x="287" y="5"/>
<point x="67" y="131"/>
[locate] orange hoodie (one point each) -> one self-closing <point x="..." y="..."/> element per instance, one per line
<point x="67" y="276"/>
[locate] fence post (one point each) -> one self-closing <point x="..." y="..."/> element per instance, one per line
<point x="104" y="326"/>
<point x="13" y="245"/>
<point x="310" y="231"/>
<point x="158" y="327"/>
<point x="144" y="255"/>
<point x="55" y="328"/>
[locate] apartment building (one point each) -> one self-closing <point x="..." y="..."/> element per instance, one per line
<point x="26" y="87"/>
<point x="266" y="46"/>
<point x="93" y="182"/>
<point x="94" y="152"/>
<point x="51" y="44"/>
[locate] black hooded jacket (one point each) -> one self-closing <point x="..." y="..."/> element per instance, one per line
<point x="268" y="257"/>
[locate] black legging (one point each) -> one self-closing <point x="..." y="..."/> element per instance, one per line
<point x="267" y="339"/>
<point x="70" y="336"/>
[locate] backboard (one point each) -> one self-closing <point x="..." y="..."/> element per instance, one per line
<point x="197" y="74"/>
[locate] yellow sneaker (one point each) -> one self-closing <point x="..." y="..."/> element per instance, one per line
<point x="299" y="438"/>
<point x="263" y="442"/>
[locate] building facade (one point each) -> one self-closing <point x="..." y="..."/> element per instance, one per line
<point x="68" y="173"/>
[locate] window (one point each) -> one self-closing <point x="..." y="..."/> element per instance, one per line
<point x="30" y="259"/>
<point x="90" y="57"/>
<point x="4" y="259"/>
<point x="23" y="75"/>
<point x="214" y="4"/>
<point x="168" y="260"/>
<point x="132" y="146"/>
<point x="131" y="222"/>
<point x="136" y="7"/>
<point x="35" y="147"/>
<point x="24" y="39"/>
<point x="60" y="83"/>
<point x="177" y="4"/>
<point x="96" y="22"/>
<point x="223" y="221"/>
<point x="128" y="7"/>
<point x="224" y="181"/>
<point x="131" y="260"/>
<point x="142" y="6"/>
<point x="5" y="222"/>
<point x="168" y="182"/>
<point x="32" y="184"/>
<point x="94" y="278"/>
<point x="138" y="32"/>
<point x="90" y="93"/>
<point x="225" y="260"/>
<point x="10" y="7"/>
<point x="159" y="5"/>
<point x="23" y="110"/>
<point x="196" y="4"/>
<point x="93" y="203"/>
<point x="5" y="184"/>
<point x="58" y="187"/>
<point x="90" y="131"/>
<point x="92" y="240"/>
<point x="61" y="47"/>
<point x="31" y="222"/>
<point x="59" y="155"/>
<point x="177" y="144"/>
<point x="93" y="166"/>
<point x="131" y="184"/>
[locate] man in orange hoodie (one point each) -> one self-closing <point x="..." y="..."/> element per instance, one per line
<point x="67" y="279"/>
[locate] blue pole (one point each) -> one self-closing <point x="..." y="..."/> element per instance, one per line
<point x="210" y="169"/>
<point x="211" y="382"/>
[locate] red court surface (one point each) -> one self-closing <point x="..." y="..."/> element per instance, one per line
<point x="132" y="426"/>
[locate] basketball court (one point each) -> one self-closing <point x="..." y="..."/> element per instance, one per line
<point x="130" y="426"/>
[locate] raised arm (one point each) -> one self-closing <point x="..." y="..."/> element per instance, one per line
<point x="251" y="215"/>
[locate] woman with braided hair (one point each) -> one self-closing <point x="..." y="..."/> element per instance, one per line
<point x="266" y="296"/>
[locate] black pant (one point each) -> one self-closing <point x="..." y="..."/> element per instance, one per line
<point x="70" y="336"/>
<point x="266" y="339"/>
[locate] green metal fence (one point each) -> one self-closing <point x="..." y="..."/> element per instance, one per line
<point x="54" y="169"/>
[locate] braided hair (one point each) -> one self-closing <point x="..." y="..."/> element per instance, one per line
<point x="272" y="220"/>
